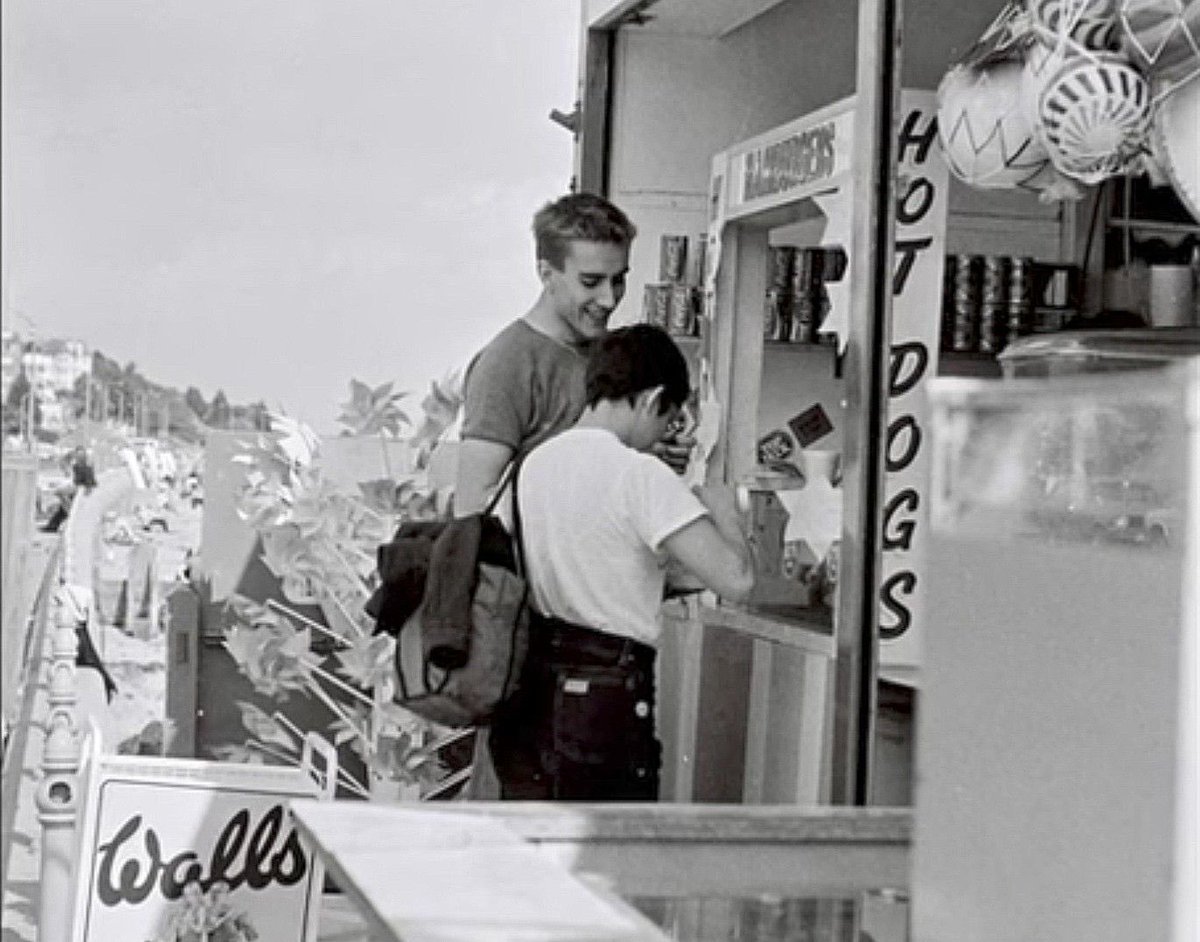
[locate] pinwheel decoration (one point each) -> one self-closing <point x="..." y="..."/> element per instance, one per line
<point x="319" y="539"/>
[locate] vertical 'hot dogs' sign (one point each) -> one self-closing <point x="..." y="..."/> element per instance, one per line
<point x="921" y="188"/>
<point x="183" y="850"/>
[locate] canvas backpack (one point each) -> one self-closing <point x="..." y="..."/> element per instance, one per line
<point x="460" y="650"/>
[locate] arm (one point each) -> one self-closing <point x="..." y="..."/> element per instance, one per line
<point x="714" y="549"/>
<point x="480" y="464"/>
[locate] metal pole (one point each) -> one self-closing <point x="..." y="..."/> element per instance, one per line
<point x="866" y="375"/>
<point x="57" y="794"/>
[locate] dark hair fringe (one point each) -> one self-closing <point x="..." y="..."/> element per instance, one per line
<point x="629" y="360"/>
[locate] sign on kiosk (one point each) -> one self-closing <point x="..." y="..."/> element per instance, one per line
<point x="176" y="850"/>
<point x="811" y="159"/>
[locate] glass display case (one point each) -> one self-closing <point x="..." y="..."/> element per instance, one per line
<point x="1058" y="721"/>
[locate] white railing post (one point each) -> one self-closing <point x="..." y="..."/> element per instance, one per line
<point x="57" y="793"/>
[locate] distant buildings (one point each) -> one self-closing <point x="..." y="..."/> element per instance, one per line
<point x="50" y="366"/>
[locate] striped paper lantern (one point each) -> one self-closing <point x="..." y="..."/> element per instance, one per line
<point x="1078" y="24"/>
<point x="1094" y="115"/>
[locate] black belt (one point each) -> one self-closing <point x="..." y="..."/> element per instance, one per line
<point x="561" y="640"/>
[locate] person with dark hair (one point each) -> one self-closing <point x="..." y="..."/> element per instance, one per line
<point x="600" y="518"/>
<point x="528" y="382"/>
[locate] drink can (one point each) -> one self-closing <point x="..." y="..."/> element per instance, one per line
<point x="964" y="326"/>
<point x="696" y="258"/>
<point x="822" y="305"/>
<point x="993" y="280"/>
<point x="776" y="314"/>
<point x="966" y="271"/>
<point x="803" y="328"/>
<point x="964" y="300"/>
<point x="993" y="327"/>
<point x="947" y="320"/>
<point x="682" y="313"/>
<point x="672" y="258"/>
<point x="783" y="258"/>
<point x="1020" y="319"/>
<point x="656" y="305"/>
<point x="806" y="272"/>
<point x="1020" y="279"/>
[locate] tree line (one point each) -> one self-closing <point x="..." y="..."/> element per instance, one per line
<point x="112" y="392"/>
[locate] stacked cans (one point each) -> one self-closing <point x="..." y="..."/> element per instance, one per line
<point x="989" y="300"/>
<point x="964" y="302"/>
<point x="796" y="300"/>
<point x="806" y="296"/>
<point x="993" y="303"/>
<point x="1020" y="297"/>
<point x="777" y="309"/>
<point x="673" y="302"/>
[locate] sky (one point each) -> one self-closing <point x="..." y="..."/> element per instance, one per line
<point x="272" y="197"/>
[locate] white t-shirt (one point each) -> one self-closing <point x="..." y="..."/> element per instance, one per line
<point x="594" y="514"/>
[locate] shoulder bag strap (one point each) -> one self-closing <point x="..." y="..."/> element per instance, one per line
<point x="508" y="476"/>
<point x="516" y="504"/>
<point x="509" y="479"/>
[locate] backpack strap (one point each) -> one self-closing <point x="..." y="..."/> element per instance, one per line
<point x="517" y="533"/>
<point x="509" y="479"/>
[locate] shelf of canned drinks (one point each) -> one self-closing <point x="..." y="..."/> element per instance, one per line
<point x="797" y="299"/>
<point x="990" y="300"/>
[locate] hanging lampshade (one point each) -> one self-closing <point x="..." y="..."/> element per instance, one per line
<point x="1162" y="37"/>
<point x="1175" y="131"/>
<point x="1078" y="25"/>
<point x="985" y="129"/>
<point x="1094" y="115"/>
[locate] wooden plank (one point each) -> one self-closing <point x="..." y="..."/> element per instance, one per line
<point x="418" y="875"/>
<point x="663" y="850"/>
<point x="757" y="724"/>
<point x="800" y="631"/>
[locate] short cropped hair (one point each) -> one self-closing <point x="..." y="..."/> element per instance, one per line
<point x="578" y="216"/>
<point x="629" y="360"/>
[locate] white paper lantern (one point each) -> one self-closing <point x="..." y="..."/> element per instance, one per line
<point x="1094" y="114"/>
<point x="985" y="129"/>
<point x="1162" y="37"/>
<point x="1175" y="143"/>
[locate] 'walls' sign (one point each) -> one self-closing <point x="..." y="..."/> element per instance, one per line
<point x="175" y="850"/>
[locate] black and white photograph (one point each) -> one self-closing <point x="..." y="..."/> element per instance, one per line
<point x="579" y="470"/>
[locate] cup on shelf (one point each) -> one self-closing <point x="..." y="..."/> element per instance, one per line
<point x="1171" y="296"/>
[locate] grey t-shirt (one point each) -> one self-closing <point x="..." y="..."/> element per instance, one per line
<point x="523" y="387"/>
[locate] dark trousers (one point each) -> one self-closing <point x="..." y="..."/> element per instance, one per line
<point x="581" y="726"/>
